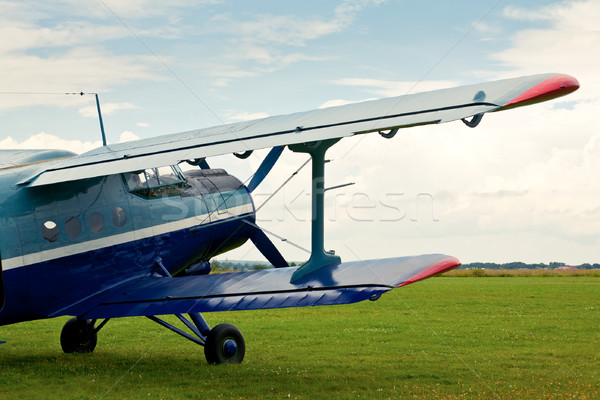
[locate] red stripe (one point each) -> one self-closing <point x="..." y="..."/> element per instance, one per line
<point x="440" y="266"/>
<point x="551" y="88"/>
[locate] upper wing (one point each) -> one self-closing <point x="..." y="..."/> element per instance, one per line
<point x="335" y="284"/>
<point x="335" y="122"/>
<point x="16" y="158"/>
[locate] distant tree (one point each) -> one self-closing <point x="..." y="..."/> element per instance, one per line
<point x="515" y="265"/>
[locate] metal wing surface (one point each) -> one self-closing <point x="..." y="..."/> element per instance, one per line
<point x="15" y="158"/>
<point x="328" y="123"/>
<point x="337" y="284"/>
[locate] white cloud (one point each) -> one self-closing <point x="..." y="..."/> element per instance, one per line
<point x="341" y="102"/>
<point x="521" y="186"/>
<point x="295" y="30"/>
<point x="569" y="44"/>
<point x="107" y="9"/>
<point x="255" y="60"/>
<point x="30" y="36"/>
<point x="44" y="140"/>
<point x="266" y="39"/>
<point x="39" y="56"/>
<point x="567" y="15"/>
<point x="243" y="115"/>
<point x="76" y="70"/>
<point x="550" y="156"/>
<point x="383" y="88"/>
<point x="127" y="136"/>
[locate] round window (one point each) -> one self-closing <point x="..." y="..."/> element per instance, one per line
<point x="119" y="217"/>
<point x="73" y="227"/>
<point x="50" y="231"/>
<point x="96" y="222"/>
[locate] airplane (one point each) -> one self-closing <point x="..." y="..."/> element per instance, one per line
<point x="122" y="231"/>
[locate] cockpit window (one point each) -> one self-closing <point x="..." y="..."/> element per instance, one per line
<point x="156" y="182"/>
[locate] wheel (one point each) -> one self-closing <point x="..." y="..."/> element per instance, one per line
<point x="78" y="336"/>
<point x="224" y="344"/>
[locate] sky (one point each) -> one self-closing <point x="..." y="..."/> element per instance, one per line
<point x="522" y="186"/>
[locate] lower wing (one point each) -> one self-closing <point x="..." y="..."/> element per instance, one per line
<point x="336" y="284"/>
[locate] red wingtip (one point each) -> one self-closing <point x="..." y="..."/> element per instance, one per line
<point x="440" y="266"/>
<point x="551" y="88"/>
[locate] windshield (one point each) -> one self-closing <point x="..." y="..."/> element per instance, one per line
<point x="156" y="182"/>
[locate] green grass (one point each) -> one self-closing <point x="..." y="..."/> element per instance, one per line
<point x="444" y="338"/>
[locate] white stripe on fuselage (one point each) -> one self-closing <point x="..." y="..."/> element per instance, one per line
<point x="121" y="238"/>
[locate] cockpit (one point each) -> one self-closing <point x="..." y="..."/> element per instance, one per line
<point x="156" y="182"/>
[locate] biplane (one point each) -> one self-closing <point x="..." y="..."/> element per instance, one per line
<point x="122" y="231"/>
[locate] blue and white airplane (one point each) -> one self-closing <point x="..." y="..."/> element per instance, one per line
<point x="121" y="231"/>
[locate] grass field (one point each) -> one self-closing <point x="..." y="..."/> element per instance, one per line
<point x="444" y="338"/>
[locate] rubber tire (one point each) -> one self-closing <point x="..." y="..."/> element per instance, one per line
<point x="215" y="341"/>
<point x="78" y="336"/>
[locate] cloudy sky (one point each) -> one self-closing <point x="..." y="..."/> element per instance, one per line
<point x="522" y="186"/>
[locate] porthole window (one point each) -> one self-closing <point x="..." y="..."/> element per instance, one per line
<point x="96" y="222"/>
<point x="50" y="231"/>
<point x="119" y="217"/>
<point x="73" y="227"/>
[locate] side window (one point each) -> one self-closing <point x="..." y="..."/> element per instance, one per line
<point x="50" y="231"/>
<point x="96" y="222"/>
<point x="152" y="177"/>
<point x="73" y="227"/>
<point x="136" y="180"/>
<point x="167" y="175"/>
<point x="119" y="217"/>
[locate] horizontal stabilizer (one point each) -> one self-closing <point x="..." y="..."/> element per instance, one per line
<point x="337" y="284"/>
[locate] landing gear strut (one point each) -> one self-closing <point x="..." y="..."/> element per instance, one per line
<point x="222" y="344"/>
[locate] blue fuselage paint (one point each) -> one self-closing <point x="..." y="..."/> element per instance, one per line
<point x="65" y="243"/>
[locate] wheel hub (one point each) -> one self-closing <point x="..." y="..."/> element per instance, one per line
<point x="229" y="348"/>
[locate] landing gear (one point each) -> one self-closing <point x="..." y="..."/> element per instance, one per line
<point x="224" y="344"/>
<point x="78" y="336"/>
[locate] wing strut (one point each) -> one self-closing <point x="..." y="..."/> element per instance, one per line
<point x="265" y="167"/>
<point x="319" y="258"/>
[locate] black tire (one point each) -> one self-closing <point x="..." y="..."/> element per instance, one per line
<point x="224" y="344"/>
<point x="78" y="336"/>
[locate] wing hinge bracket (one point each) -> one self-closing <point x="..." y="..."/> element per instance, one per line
<point x="390" y="134"/>
<point x="474" y="121"/>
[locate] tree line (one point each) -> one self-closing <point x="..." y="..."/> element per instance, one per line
<point x="233" y="265"/>
<point x="521" y="265"/>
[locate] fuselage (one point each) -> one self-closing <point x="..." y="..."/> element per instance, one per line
<point x="67" y="242"/>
